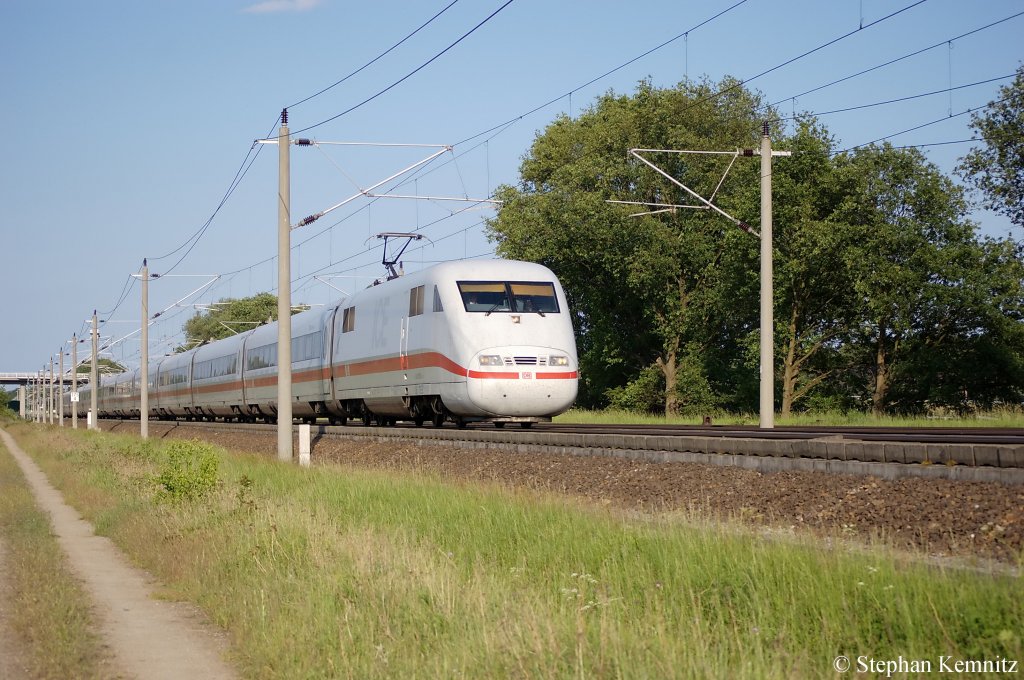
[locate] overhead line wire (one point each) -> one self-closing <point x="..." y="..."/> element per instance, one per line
<point x="809" y="52"/>
<point x="246" y="164"/>
<point x="378" y="57"/>
<point x="923" y="125"/>
<point x="898" y="59"/>
<point x="408" y="75"/>
<point x="124" y="293"/>
<point x="896" y="100"/>
<point x="604" y="75"/>
<point x="828" y="44"/>
<point x="235" y="181"/>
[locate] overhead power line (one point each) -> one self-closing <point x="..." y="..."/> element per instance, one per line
<point x="923" y="125"/>
<point x="124" y="294"/>
<point x="954" y="141"/>
<point x="410" y="74"/>
<point x="378" y="57"/>
<point x="803" y="55"/>
<point x="602" y="76"/>
<point x="898" y="59"/>
<point x="896" y="100"/>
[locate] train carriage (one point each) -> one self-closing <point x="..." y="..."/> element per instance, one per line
<point x="310" y="374"/>
<point x="258" y="396"/>
<point x="217" y="378"/>
<point x="172" y="396"/>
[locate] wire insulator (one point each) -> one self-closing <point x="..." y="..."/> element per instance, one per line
<point x="284" y="116"/>
<point x="304" y="142"/>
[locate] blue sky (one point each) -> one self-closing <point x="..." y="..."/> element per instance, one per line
<point x="126" y="122"/>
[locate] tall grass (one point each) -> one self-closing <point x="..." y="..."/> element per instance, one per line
<point x="997" y="418"/>
<point x="337" y="572"/>
<point x="49" y="611"/>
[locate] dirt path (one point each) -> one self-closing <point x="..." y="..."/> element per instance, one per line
<point x="148" y="638"/>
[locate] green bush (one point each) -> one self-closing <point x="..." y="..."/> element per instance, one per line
<point x="190" y="472"/>
<point x="646" y="394"/>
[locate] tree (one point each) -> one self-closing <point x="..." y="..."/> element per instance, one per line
<point x="909" y="251"/>
<point x="647" y="291"/>
<point x="813" y="290"/>
<point x="973" y="355"/>
<point x="228" y="317"/>
<point x="104" y="366"/>
<point x="997" y="169"/>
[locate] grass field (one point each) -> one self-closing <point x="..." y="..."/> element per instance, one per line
<point x="337" y="572"/>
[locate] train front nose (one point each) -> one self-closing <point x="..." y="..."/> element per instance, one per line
<point x="523" y="381"/>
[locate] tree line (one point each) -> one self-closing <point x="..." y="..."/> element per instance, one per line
<point x="886" y="296"/>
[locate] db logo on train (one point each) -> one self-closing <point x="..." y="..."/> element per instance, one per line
<point x="527" y="376"/>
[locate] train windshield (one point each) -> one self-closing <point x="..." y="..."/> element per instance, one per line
<point x="509" y="296"/>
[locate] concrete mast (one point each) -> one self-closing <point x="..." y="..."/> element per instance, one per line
<point x="94" y="375"/>
<point x="144" y="372"/>
<point x="284" y="295"/>
<point x="767" y="401"/>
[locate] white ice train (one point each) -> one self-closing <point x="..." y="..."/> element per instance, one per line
<point x="460" y="341"/>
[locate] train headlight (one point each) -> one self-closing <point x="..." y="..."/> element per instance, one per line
<point x="491" y="360"/>
<point x="558" y="360"/>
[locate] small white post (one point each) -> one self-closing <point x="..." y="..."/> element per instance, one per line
<point x="304" y="445"/>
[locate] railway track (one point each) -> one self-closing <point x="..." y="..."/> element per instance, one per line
<point x="932" y="435"/>
<point x="994" y="454"/>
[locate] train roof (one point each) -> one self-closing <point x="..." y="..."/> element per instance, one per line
<point x="485" y="269"/>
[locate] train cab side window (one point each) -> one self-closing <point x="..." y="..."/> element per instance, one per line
<point x="348" y="322"/>
<point x="416" y="301"/>
<point x="438" y="307"/>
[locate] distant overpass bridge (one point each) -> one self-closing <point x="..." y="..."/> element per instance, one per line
<point x="25" y="378"/>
